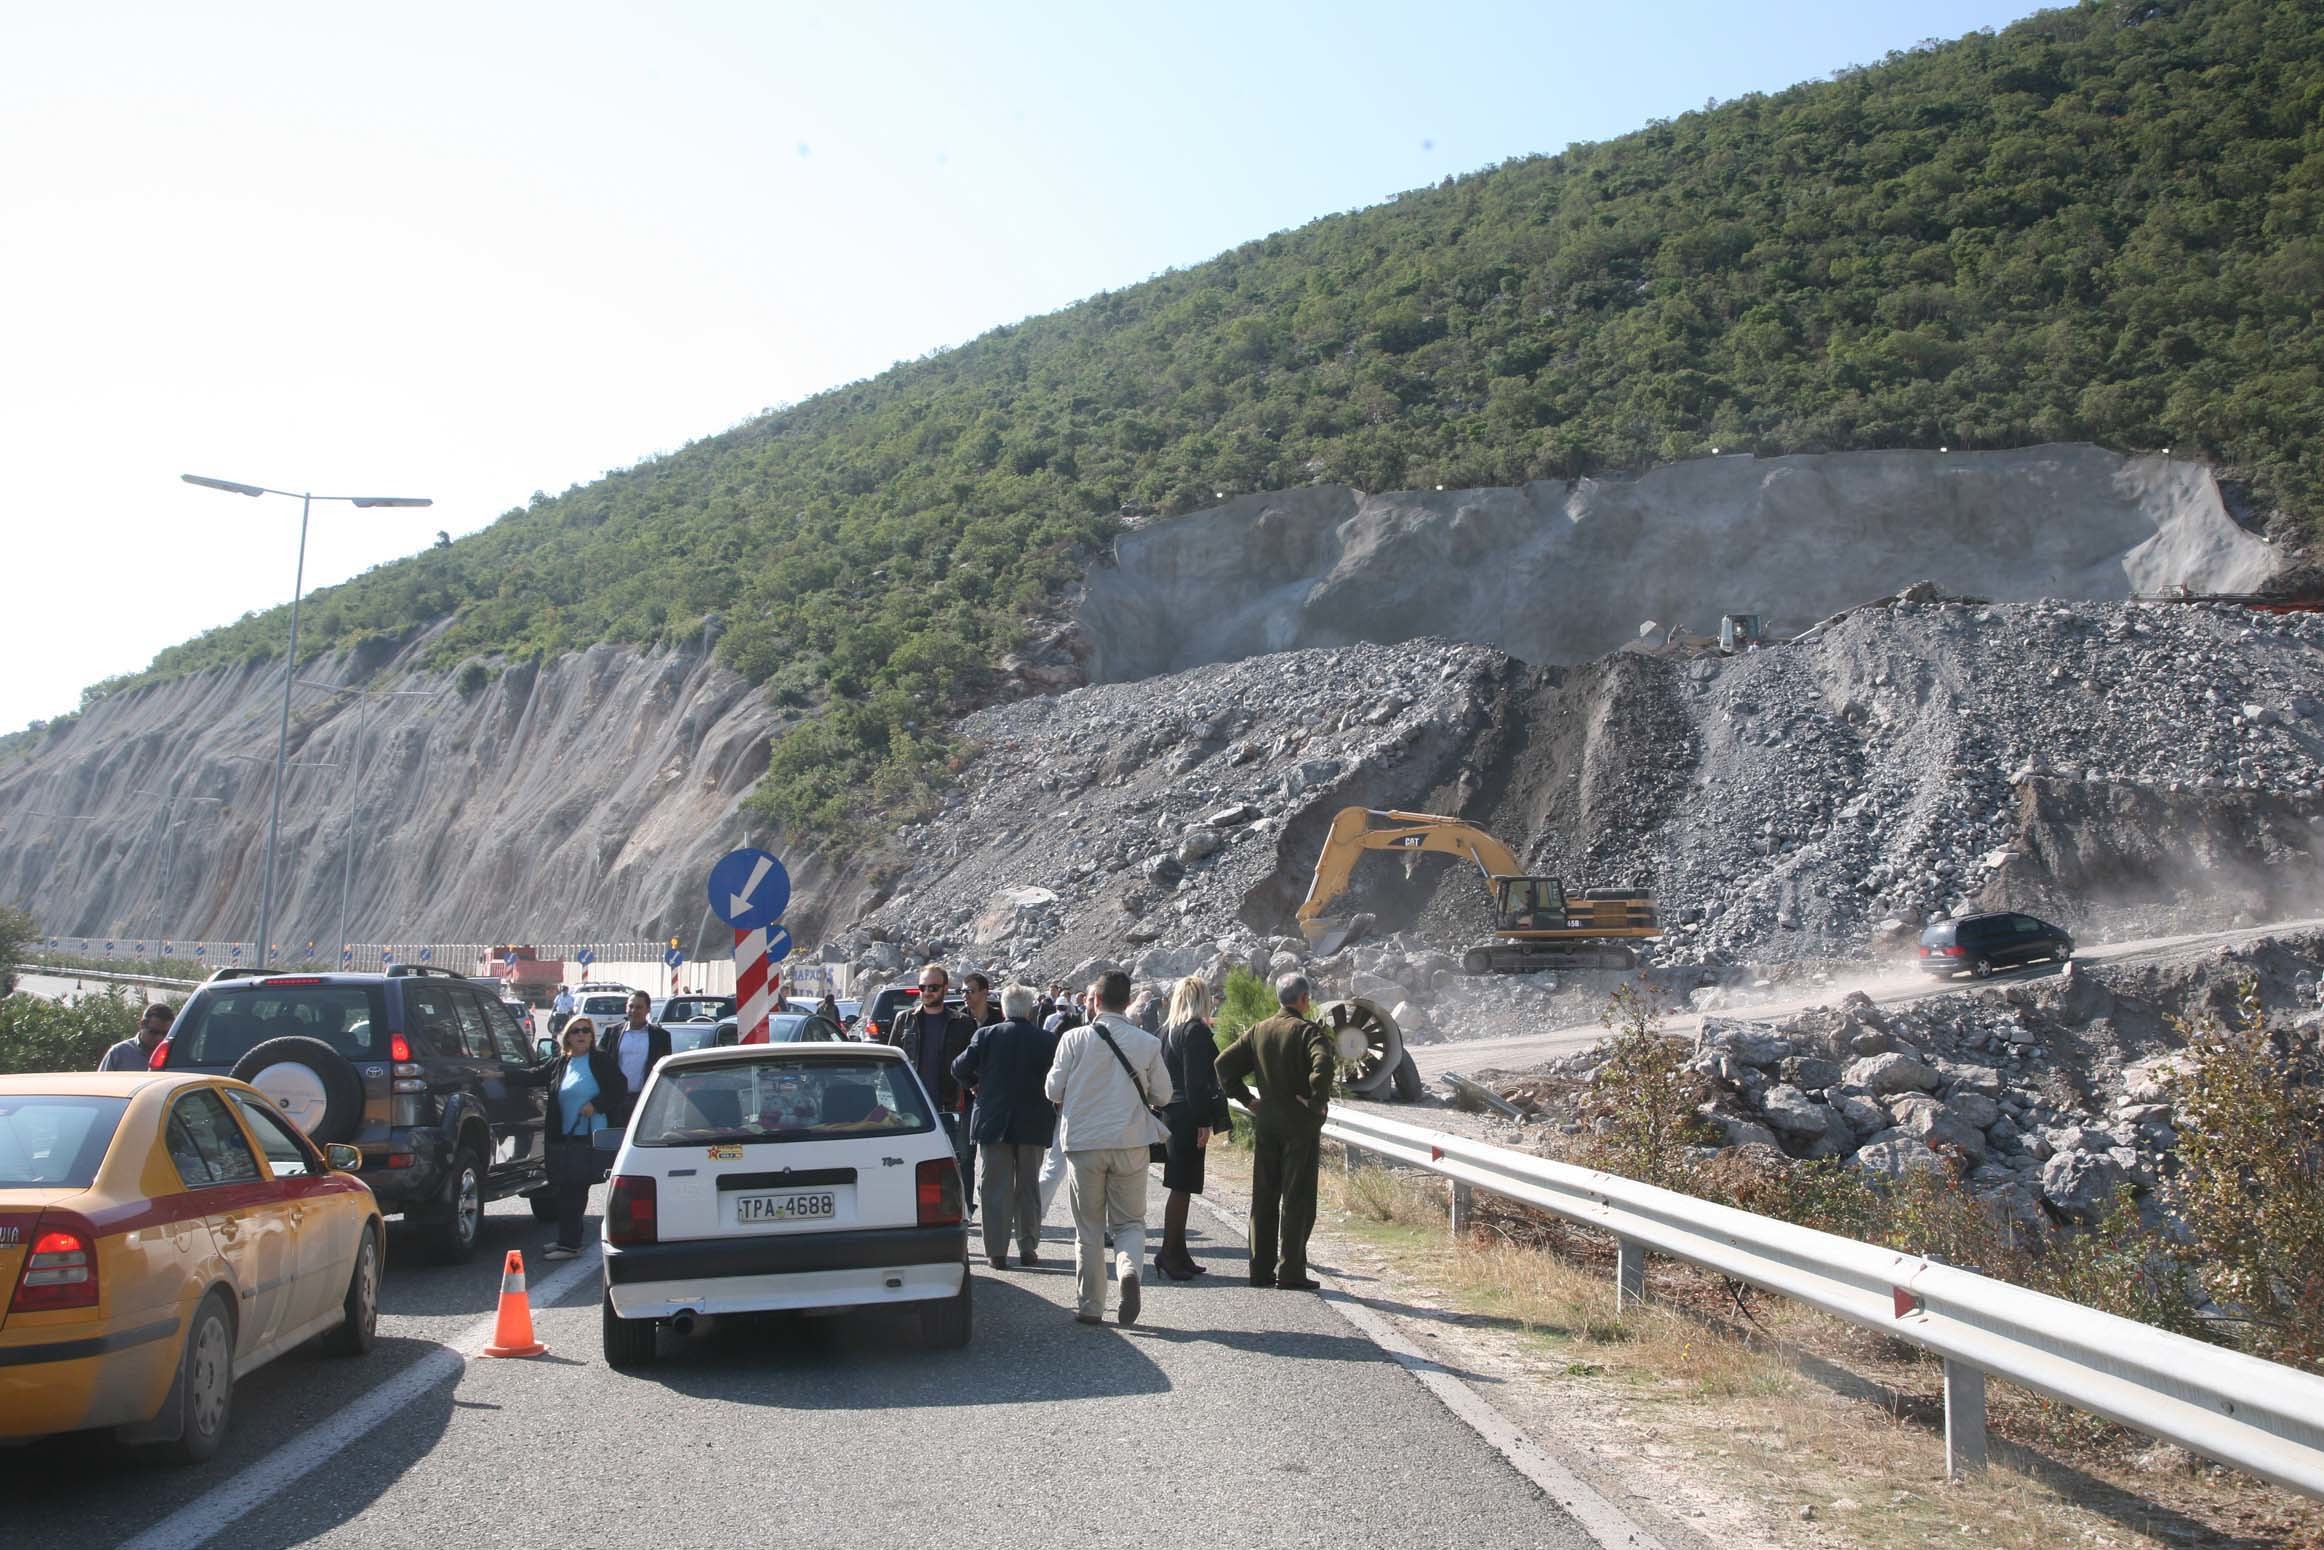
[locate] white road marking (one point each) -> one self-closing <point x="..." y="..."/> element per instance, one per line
<point x="219" y="1508"/>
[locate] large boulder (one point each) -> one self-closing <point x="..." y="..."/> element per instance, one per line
<point x="1793" y="1112"/>
<point x="1891" y="1073"/>
<point x="1165" y="963"/>
<point x="1892" y="1156"/>
<point x="1811" y="1072"/>
<point x="1972" y="1109"/>
<point x="1936" y="1126"/>
<point x="2080" y="1185"/>
<point x="1199" y="844"/>
<point x="1864" y="1115"/>
<point x="1747" y="1042"/>
<point x="1008" y="912"/>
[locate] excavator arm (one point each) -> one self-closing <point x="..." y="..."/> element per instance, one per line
<point x="1357" y="830"/>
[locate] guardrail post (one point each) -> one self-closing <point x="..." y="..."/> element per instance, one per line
<point x="1351" y="1158"/>
<point x="1964" y="1420"/>
<point x="1464" y="1208"/>
<point x="1629" y="1274"/>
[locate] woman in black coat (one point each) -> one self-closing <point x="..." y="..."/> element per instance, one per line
<point x="585" y="1085"/>
<point x="1198" y="1112"/>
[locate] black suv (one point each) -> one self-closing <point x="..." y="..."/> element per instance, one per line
<point x="423" y="1073"/>
<point x="1984" y="943"/>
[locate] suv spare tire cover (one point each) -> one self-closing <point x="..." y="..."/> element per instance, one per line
<point x="311" y="1084"/>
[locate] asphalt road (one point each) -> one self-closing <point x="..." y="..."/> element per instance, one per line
<point x="1228" y="1416"/>
<point x="1469" y="1056"/>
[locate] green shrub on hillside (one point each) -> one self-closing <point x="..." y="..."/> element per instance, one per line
<point x="2105" y="222"/>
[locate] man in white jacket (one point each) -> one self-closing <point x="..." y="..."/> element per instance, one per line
<point x="1106" y="1081"/>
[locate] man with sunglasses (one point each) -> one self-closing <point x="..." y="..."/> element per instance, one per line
<point x="932" y="1036"/>
<point x="135" y="1054"/>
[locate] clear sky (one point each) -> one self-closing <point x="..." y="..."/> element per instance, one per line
<point x="473" y="251"/>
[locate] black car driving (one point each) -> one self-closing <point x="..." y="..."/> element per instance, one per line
<point x="1980" y="944"/>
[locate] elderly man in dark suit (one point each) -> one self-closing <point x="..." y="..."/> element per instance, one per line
<point x="1005" y="1065"/>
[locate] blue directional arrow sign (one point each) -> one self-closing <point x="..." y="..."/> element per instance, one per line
<point x="749" y="889"/>
<point x="585" y="957"/>
<point x="671" y="958"/>
<point x="778" y="944"/>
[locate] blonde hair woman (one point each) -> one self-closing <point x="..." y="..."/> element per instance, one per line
<point x="1199" y="1111"/>
<point x="585" y="1085"/>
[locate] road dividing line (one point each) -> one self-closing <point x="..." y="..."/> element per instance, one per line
<point x="218" y="1509"/>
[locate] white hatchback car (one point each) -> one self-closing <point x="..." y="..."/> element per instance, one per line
<point x="773" y="1177"/>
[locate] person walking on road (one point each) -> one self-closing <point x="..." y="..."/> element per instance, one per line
<point x="1107" y="1081"/>
<point x="641" y="1045"/>
<point x="1005" y="1066"/>
<point x="560" y="1011"/>
<point x="1199" y="1112"/>
<point x="136" y="1052"/>
<point x="585" y="1085"/>
<point x="1291" y="1054"/>
<point x="932" y="1036"/>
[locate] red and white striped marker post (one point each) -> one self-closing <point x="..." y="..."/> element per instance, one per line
<point x="754" y="987"/>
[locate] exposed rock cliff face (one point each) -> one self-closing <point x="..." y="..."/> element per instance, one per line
<point x="586" y="796"/>
<point x="1557" y="574"/>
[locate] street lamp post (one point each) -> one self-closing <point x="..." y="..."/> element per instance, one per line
<point x="290" y="668"/>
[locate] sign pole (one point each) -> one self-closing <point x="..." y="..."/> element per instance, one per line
<point x="753" y="1001"/>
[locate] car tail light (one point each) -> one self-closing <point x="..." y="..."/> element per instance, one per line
<point x="399" y="1048"/>
<point x="61" y="1270"/>
<point x="294" y="979"/>
<point x="939" y="1181"/>
<point x="632" y="1210"/>
<point x="159" y="1059"/>
<point x="1950" y="952"/>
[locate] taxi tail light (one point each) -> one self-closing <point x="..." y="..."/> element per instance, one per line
<point x="633" y="1210"/>
<point x="61" y="1270"/>
<point x="939" y="1182"/>
<point x="159" y="1059"/>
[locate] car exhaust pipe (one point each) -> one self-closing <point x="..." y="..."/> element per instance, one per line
<point x="684" y="1322"/>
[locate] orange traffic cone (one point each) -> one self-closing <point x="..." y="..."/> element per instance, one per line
<point x="513" y="1334"/>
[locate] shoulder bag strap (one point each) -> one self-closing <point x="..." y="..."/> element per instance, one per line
<point x="1140" y="1087"/>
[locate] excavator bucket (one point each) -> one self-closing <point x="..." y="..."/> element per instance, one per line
<point x="1325" y="937"/>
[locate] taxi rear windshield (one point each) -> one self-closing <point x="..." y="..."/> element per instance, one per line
<point x="55" y="1139"/>
<point x="218" y="1030"/>
<point x="757" y="1101"/>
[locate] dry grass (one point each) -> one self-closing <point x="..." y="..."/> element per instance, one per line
<point x="1758" y="1404"/>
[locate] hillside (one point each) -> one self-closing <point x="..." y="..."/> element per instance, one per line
<point x="2099" y="224"/>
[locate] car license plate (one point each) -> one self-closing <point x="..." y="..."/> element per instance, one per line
<point x="791" y="1206"/>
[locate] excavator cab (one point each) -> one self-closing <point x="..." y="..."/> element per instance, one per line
<point x="1528" y="904"/>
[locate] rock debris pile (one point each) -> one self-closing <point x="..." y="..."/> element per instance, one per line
<point x="2044" y="1098"/>
<point x="2117" y="767"/>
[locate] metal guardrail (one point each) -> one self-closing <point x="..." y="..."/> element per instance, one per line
<point x="108" y="976"/>
<point x="2254" y="1415"/>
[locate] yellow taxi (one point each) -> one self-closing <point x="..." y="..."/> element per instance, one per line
<point x="161" y="1236"/>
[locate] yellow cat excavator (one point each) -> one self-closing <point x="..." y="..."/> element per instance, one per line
<point x="1537" y="924"/>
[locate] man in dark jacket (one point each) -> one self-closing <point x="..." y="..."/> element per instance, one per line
<point x="1004" y="1066"/>
<point x="1292" y="1056"/>
<point x="932" y="1036"/>
<point x="638" y="1046"/>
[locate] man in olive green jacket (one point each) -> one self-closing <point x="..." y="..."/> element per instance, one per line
<point x="1292" y="1055"/>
